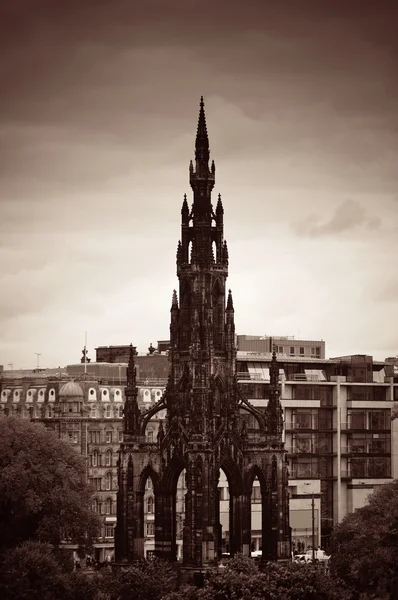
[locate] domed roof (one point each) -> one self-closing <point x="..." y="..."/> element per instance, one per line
<point x="71" y="389"/>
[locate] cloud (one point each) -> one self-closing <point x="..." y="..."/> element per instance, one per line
<point x="348" y="216"/>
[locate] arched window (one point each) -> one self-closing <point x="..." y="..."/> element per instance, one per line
<point x="218" y="313"/>
<point x="108" y="411"/>
<point x="93" y="412"/>
<point x="108" y="481"/>
<point x="108" y="506"/>
<point x="150" y="505"/>
<point x="185" y="314"/>
<point x="120" y="411"/>
<point x="94" y="505"/>
<point x="149" y="435"/>
<point x="108" y="458"/>
<point x="37" y="412"/>
<point x="95" y="459"/>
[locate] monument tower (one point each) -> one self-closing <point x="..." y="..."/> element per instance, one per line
<point x="203" y="430"/>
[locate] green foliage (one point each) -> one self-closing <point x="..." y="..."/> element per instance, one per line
<point x="243" y="579"/>
<point x="43" y="487"/>
<point x="143" y="580"/>
<point x="32" y="572"/>
<point x="365" y="544"/>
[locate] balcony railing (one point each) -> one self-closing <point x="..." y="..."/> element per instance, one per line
<point x="364" y="450"/>
<point x="312" y="450"/>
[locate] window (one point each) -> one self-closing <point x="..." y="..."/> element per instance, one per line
<point x="150" y="529"/>
<point x="302" y="350"/>
<point x="280" y="349"/>
<point x="108" y="411"/>
<point x="120" y="411"/>
<point x="369" y="443"/>
<point x="94" y="437"/>
<point x="95" y="459"/>
<point x="96" y="483"/>
<point x="375" y="420"/>
<point x="291" y="349"/>
<point x="370" y="467"/>
<point x="149" y="436"/>
<point x="108" y="481"/>
<point x="108" y="437"/>
<point x="150" y="505"/>
<point x="312" y="351"/>
<point x="108" y="506"/>
<point x="108" y="458"/>
<point x="120" y="436"/>
<point x="256" y="495"/>
<point x="94" y="505"/>
<point x="305" y="468"/>
<point x="93" y="412"/>
<point x="75" y="437"/>
<point x="148" y="485"/>
<point x="305" y="419"/>
<point x="303" y="443"/>
<point x="109" y="531"/>
<point x="318" y="352"/>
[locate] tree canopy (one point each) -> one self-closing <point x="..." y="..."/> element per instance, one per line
<point x="44" y="493"/>
<point x="365" y="544"/>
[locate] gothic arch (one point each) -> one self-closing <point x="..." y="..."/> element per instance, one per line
<point x="250" y="475"/>
<point x="232" y="472"/>
<point x="169" y="481"/>
<point x="148" y="471"/>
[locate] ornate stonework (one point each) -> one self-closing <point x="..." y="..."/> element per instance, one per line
<point x="204" y="428"/>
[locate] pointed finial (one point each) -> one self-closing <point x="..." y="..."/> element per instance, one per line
<point x="230" y="304"/>
<point x="131" y="375"/>
<point x="174" y="300"/>
<point x="219" y="207"/>
<point x="274" y="369"/>
<point x="202" y="141"/>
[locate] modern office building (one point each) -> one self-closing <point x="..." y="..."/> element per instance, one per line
<point x="340" y="438"/>
<point x="284" y="345"/>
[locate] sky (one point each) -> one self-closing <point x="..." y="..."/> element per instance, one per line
<point x="99" y="103"/>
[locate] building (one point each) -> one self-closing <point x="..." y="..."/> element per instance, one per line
<point x="206" y="414"/>
<point x="83" y="404"/>
<point x="340" y="433"/>
<point x="284" y="345"/>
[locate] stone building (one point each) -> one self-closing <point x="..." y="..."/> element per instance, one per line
<point x="83" y="404"/>
<point x="205" y="430"/>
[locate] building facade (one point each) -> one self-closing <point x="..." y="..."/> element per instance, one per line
<point x="340" y="433"/>
<point x="283" y="345"/>
<point x="83" y="404"/>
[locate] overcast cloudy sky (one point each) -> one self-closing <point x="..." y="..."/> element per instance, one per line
<point x="98" y="110"/>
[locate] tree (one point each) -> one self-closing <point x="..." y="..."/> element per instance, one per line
<point x="242" y="579"/>
<point x="31" y="572"/>
<point x="364" y="546"/>
<point x="44" y="493"/>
